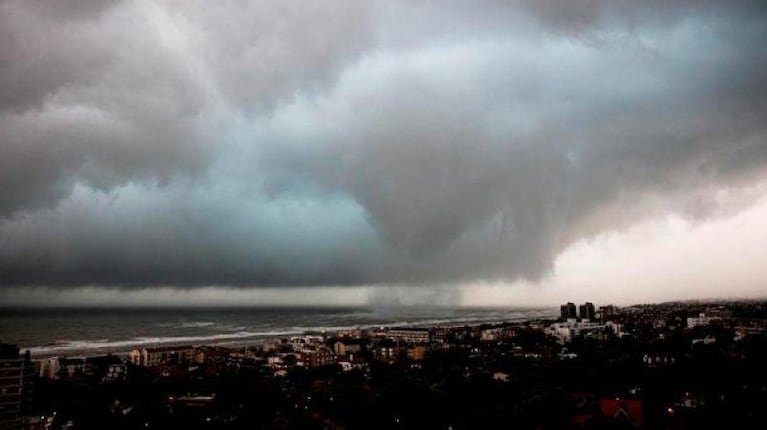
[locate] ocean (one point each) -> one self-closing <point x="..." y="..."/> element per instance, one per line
<point x="70" y="332"/>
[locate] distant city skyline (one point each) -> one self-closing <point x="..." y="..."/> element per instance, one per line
<point x="383" y="153"/>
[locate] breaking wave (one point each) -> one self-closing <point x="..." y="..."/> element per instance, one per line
<point x="233" y="334"/>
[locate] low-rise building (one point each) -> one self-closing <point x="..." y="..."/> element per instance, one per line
<point x="497" y="333"/>
<point x="150" y="357"/>
<point x="72" y="366"/>
<point x="501" y="377"/>
<point x="345" y="347"/>
<point x="50" y="368"/>
<point x="317" y="357"/>
<point x="560" y="331"/>
<point x="386" y="350"/>
<point x="440" y="334"/>
<point x="409" y="335"/>
<point x="417" y="352"/>
<point x="105" y="368"/>
<point x="628" y="411"/>
<point x="700" y="320"/>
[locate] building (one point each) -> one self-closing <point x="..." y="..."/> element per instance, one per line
<point x="137" y="357"/>
<point x="627" y="412"/>
<point x="150" y="357"/>
<point x="497" y="333"/>
<point x="71" y="366"/>
<point x="490" y="334"/>
<point x="105" y="368"/>
<point x="417" y="352"/>
<point x="501" y="377"/>
<point x="560" y="331"/>
<point x="409" y="335"/>
<point x="700" y="320"/>
<point x="272" y="345"/>
<point x="440" y="334"/>
<point x="16" y="384"/>
<point x="607" y="312"/>
<point x="115" y="372"/>
<point x="587" y="312"/>
<point x="317" y="357"/>
<point x="50" y="368"/>
<point x="169" y="355"/>
<point x="567" y="311"/>
<point x="564" y="332"/>
<point x="299" y="343"/>
<point x="345" y="347"/>
<point x="386" y="350"/>
<point x="615" y="328"/>
<point x="355" y="333"/>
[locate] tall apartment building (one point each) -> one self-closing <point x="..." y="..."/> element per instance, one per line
<point x="567" y="311"/>
<point x="16" y="383"/>
<point x="587" y="311"/>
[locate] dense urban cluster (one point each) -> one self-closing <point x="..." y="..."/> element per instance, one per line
<point x="666" y="366"/>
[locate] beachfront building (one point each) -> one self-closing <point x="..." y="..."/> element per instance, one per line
<point x="409" y="335"/>
<point x="150" y="357"/>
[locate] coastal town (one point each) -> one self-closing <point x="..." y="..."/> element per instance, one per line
<point x="668" y="366"/>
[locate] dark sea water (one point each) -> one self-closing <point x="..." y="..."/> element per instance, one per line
<point x="48" y="332"/>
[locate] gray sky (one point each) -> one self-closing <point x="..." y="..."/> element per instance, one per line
<point x="521" y="152"/>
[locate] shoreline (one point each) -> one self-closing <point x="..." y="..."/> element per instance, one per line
<point x="242" y="339"/>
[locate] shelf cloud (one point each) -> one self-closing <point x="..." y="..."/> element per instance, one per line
<point x="337" y="143"/>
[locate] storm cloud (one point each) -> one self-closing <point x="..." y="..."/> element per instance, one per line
<point x="301" y="143"/>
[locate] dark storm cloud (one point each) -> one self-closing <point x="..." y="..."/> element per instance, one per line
<point x="108" y="93"/>
<point x="304" y="143"/>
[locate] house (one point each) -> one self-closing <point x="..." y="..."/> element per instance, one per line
<point x="627" y="411"/>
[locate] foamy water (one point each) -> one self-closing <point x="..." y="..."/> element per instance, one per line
<point x="70" y="332"/>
